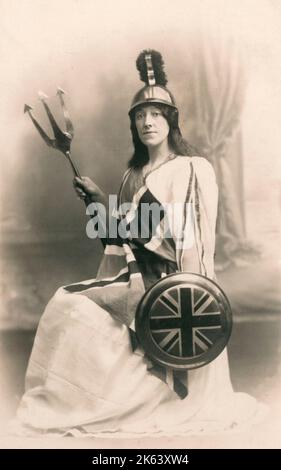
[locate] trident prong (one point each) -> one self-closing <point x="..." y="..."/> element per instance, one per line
<point x="45" y="137"/>
<point x="62" y="139"/>
<point x="68" y="123"/>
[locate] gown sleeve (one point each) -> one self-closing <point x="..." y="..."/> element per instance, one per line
<point x="195" y="249"/>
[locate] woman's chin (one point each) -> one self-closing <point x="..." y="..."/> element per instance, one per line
<point x="151" y="142"/>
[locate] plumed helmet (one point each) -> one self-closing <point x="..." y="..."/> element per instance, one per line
<point x="151" y="68"/>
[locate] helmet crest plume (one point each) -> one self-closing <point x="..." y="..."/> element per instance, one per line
<point x="151" y="68"/>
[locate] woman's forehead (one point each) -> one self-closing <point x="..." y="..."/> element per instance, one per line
<point x="148" y="107"/>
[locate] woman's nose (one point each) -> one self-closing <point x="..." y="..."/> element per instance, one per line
<point x="147" y="120"/>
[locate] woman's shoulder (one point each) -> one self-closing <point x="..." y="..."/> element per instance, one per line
<point x="203" y="164"/>
<point x="199" y="163"/>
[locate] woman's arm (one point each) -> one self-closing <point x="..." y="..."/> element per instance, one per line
<point x="197" y="251"/>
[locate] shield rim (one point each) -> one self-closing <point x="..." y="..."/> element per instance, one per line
<point x="143" y="332"/>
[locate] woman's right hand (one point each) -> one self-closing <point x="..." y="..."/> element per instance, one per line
<point x="85" y="187"/>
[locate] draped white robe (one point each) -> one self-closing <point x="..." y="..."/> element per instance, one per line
<point x="83" y="377"/>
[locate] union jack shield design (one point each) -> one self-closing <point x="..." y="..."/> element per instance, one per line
<point x="184" y="321"/>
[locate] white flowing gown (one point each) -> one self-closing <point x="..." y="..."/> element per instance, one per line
<point x="84" y="379"/>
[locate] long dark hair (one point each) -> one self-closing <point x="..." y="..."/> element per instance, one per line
<point x="176" y="142"/>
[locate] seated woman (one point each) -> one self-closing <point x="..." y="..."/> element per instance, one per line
<point x="84" y="376"/>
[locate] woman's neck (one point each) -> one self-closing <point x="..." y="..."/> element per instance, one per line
<point x="159" y="153"/>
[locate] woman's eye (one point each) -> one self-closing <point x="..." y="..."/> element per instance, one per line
<point x="139" y="115"/>
<point x="156" y="113"/>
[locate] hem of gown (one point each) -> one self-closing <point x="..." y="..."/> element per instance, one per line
<point x="191" y="429"/>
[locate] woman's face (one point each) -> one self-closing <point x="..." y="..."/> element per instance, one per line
<point x="152" y="126"/>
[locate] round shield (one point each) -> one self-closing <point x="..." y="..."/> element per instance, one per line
<point x="184" y="321"/>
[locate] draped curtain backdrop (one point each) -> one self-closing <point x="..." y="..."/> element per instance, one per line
<point x="89" y="49"/>
<point x="217" y="89"/>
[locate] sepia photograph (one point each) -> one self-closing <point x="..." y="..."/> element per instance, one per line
<point x="140" y="225"/>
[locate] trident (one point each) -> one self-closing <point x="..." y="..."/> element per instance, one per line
<point x="63" y="139"/>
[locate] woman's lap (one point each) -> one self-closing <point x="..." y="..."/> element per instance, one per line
<point x="82" y="372"/>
